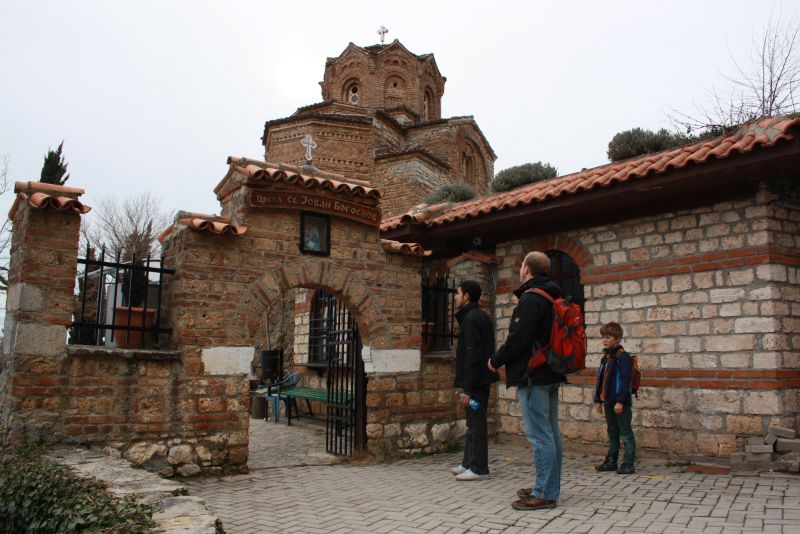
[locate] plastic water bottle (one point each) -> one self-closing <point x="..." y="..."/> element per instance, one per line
<point x="472" y="402"/>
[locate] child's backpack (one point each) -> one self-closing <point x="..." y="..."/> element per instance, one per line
<point x="636" y="374"/>
<point x="566" y="352"/>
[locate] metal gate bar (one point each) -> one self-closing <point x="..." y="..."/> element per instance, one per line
<point x="342" y="345"/>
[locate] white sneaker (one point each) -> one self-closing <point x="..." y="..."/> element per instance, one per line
<point x="469" y="475"/>
<point x="457" y="470"/>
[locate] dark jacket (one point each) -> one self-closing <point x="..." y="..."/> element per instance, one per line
<point x="616" y="370"/>
<point x="475" y="347"/>
<point x="530" y="328"/>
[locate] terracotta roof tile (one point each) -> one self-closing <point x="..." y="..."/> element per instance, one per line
<point x="43" y="196"/>
<point x="269" y="173"/>
<point x="201" y="222"/>
<point x="406" y="249"/>
<point x="763" y="133"/>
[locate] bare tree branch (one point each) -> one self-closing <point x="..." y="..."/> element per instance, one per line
<point x="767" y="87"/>
<point x="128" y="227"/>
<point x="5" y="228"/>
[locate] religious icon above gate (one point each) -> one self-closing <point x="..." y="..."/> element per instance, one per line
<point x="315" y="234"/>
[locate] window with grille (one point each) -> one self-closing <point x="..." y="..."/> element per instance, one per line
<point x="566" y="273"/>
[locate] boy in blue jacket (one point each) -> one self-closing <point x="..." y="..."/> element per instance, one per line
<point x="612" y="395"/>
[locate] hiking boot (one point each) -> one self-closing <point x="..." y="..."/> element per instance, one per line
<point x="457" y="470"/>
<point x="626" y="469"/>
<point x="524" y="492"/>
<point x="609" y="464"/>
<point x="532" y="503"/>
<point x="469" y="475"/>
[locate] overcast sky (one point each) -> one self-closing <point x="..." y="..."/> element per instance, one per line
<point x="153" y="96"/>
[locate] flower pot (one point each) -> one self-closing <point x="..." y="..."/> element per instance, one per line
<point x="138" y="317"/>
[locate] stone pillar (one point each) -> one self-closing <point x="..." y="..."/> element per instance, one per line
<point x="42" y="271"/>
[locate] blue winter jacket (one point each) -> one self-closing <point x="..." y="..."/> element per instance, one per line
<point x="618" y="377"/>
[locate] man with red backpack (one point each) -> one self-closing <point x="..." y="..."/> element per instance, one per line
<point x="537" y="389"/>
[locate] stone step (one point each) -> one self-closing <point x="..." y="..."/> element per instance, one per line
<point x="782" y="431"/>
<point x="758" y="448"/>
<point x="787" y="445"/>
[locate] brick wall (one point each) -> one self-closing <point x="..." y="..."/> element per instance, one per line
<point x="708" y="299"/>
<point x="406" y="181"/>
<point x="150" y="406"/>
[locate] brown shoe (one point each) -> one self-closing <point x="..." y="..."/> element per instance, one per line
<point x="532" y="503"/>
<point x="524" y="493"/>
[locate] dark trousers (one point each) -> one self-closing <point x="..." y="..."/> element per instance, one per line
<point x="619" y="429"/>
<point x="476" y="448"/>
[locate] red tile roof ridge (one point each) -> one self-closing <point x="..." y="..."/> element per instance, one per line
<point x="216" y="227"/>
<point x="45" y="187"/>
<point x="206" y="216"/>
<point x="43" y="201"/>
<point x="763" y="133"/>
<point x="406" y="249"/>
<point x="202" y="222"/>
<point x="244" y="162"/>
<point x="309" y="182"/>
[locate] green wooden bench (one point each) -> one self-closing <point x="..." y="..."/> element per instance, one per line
<point x="311" y="394"/>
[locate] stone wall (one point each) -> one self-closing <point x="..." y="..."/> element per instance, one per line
<point x="140" y="404"/>
<point x="708" y="299"/>
<point x="153" y="407"/>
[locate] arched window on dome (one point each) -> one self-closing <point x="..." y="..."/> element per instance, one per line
<point x="566" y="273"/>
<point x="351" y="92"/>
<point x="468" y="167"/>
<point x="428" y="105"/>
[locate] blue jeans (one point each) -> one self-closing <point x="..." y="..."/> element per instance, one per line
<point x="540" y="414"/>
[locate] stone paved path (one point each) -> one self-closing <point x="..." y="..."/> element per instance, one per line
<point x="294" y="487"/>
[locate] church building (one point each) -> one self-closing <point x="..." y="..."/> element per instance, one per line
<point x="327" y="262"/>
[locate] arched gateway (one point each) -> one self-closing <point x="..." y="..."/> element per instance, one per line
<point x="303" y="242"/>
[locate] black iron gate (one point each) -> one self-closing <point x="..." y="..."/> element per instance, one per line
<point x="334" y="338"/>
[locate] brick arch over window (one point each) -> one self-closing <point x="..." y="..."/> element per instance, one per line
<point x="568" y="246"/>
<point x="325" y="274"/>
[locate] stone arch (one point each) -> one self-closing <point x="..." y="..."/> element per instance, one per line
<point x="352" y="91"/>
<point x="567" y="245"/>
<point x="467" y="147"/>
<point x="322" y="273"/>
<point x="394" y="89"/>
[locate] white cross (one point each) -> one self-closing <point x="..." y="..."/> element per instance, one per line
<point x="382" y="31"/>
<point x="309" y="144"/>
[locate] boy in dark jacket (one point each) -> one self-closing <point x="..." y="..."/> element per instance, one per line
<point x="475" y="347"/>
<point x="612" y="395"/>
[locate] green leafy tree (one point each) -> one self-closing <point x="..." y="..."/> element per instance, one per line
<point x="637" y="142"/>
<point x="520" y="175"/>
<point x="54" y="170"/>
<point x="451" y="193"/>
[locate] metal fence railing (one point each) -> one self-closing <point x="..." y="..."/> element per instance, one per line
<point x="119" y="303"/>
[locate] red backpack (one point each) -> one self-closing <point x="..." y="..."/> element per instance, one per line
<point x="566" y="352"/>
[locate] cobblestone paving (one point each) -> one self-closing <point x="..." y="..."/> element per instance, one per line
<point x="294" y="487"/>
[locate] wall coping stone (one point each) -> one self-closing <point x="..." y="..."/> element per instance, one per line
<point x="439" y="356"/>
<point x="129" y="354"/>
<point x="173" y="510"/>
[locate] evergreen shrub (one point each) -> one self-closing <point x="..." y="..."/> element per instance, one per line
<point x="520" y="175"/>
<point x="39" y="495"/>
<point x="451" y="193"/>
